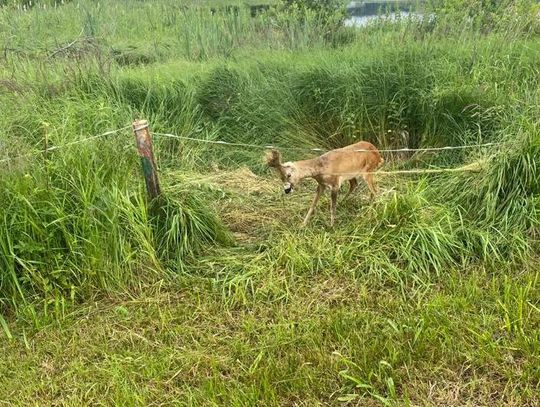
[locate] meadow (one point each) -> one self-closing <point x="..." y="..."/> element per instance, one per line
<point x="214" y="294"/>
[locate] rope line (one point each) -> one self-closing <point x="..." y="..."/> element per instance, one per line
<point x="418" y="171"/>
<point x="472" y="167"/>
<point x="107" y="133"/>
<point x="268" y="147"/>
<point x="226" y="143"/>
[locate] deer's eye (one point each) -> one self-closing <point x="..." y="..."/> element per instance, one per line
<point x="288" y="175"/>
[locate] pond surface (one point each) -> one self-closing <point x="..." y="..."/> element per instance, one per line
<point x="365" y="11"/>
<point x="360" y="21"/>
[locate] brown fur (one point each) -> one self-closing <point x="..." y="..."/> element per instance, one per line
<point x="331" y="170"/>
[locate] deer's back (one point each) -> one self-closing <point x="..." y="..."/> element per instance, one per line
<point x="358" y="157"/>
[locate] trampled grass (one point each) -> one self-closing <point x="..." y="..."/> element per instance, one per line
<point x="214" y="295"/>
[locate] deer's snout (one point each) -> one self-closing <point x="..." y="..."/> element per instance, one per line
<point x="287" y="187"/>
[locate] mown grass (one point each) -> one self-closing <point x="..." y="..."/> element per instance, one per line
<point x="214" y="295"/>
<point x="295" y="318"/>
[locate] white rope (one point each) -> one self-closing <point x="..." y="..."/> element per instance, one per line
<point x="473" y="167"/>
<point x="269" y="147"/>
<point x="422" y="171"/>
<point x="65" y="145"/>
<point x="220" y="142"/>
<point x="226" y="143"/>
<point x="470" y="167"/>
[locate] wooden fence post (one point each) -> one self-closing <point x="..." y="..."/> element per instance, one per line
<point x="46" y="151"/>
<point x="144" y="147"/>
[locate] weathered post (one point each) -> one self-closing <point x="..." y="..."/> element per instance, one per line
<point x="46" y="151"/>
<point x="45" y="139"/>
<point x="144" y="147"/>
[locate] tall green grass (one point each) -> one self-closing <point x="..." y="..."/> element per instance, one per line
<point x="131" y="32"/>
<point x="78" y="220"/>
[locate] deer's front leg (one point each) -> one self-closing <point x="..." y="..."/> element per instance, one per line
<point x="320" y="190"/>
<point x="333" y="204"/>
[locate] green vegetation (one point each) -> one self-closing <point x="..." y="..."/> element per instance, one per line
<point x="213" y="295"/>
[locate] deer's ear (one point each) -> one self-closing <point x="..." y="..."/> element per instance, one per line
<point x="273" y="158"/>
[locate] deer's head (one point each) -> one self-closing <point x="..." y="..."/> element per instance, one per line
<point x="287" y="171"/>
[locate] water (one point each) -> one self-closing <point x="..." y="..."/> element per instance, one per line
<point x="361" y="21"/>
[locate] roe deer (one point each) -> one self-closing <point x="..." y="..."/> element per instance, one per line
<point x="331" y="169"/>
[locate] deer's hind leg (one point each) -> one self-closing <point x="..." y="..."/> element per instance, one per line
<point x="320" y="190"/>
<point x="353" y="183"/>
<point x="368" y="177"/>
